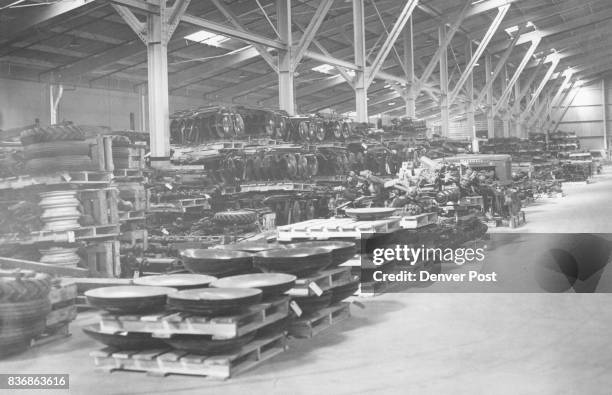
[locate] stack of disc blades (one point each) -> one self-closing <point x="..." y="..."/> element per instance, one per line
<point x="248" y="246"/>
<point x="214" y="301"/>
<point x="369" y="213"/>
<point x="313" y="303"/>
<point x="271" y="284"/>
<point x="341" y="251"/>
<point x="298" y="261"/>
<point x="124" y="340"/>
<point x="129" y="299"/>
<point x="218" y="263"/>
<point x="198" y="344"/>
<point x="178" y="281"/>
<point x="342" y="292"/>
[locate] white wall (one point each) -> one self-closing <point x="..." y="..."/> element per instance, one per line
<point x="585" y="116"/>
<point x="21" y="102"/>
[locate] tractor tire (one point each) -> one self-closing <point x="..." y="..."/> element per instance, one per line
<point x="20" y="289"/>
<point x="53" y="149"/>
<point x="62" y="132"/>
<point x="239" y="217"/>
<point x="60" y="163"/>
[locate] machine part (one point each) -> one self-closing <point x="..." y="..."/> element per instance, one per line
<point x="319" y="129"/>
<point x="238" y="124"/>
<point x="304" y="130"/>
<point x="334" y="130"/>
<point x="129" y="299"/>
<point x="60" y="256"/>
<point x="345" y="130"/>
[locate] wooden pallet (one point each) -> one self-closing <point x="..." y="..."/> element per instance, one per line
<point x="65" y="236"/>
<point x="100" y="205"/>
<point x="418" y="221"/>
<point x="134" y="215"/>
<point x="66" y="291"/>
<point x="103" y="259"/>
<point x="276" y="186"/>
<point x="212" y="239"/>
<point x="165" y="325"/>
<point x="52" y="334"/>
<point x="324" y="229"/>
<point x="322" y="281"/>
<point x="97" y="232"/>
<point x="89" y="178"/>
<point x="62" y="315"/>
<point x="313" y="324"/>
<point x="165" y="361"/>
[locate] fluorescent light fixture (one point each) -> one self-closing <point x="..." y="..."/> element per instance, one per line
<point x="351" y="74"/>
<point x="324" y="68"/>
<point x="392" y="103"/>
<point x="515" y="28"/>
<point x="208" y="38"/>
<point x="477" y="2"/>
<point x="387" y="86"/>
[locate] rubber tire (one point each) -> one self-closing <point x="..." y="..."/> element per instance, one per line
<point x="56" y="148"/>
<point x="20" y="289"/>
<point x="60" y="163"/>
<point x="241" y="217"/>
<point x="52" y="133"/>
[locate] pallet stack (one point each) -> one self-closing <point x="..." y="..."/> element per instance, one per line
<point x="62" y="298"/>
<point x="73" y="176"/>
<point x="131" y="179"/>
<point x="319" y="285"/>
<point x="260" y="320"/>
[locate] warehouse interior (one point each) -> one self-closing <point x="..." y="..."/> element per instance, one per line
<point x="193" y="193"/>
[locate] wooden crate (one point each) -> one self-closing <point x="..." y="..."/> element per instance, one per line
<point x="311" y="325"/>
<point x="136" y="193"/>
<point x="103" y="259"/>
<point x="100" y="205"/>
<point x="102" y="153"/>
<point x="132" y="157"/>
<point x="165" y="361"/>
<point x="165" y="325"/>
<point x="324" y="280"/>
<point x="135" y="238"/>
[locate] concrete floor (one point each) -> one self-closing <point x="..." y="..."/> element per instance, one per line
<point x="418" y="342"/>
<point x="585" y="208"/>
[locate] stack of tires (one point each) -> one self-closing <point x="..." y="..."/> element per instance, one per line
<point x="24" y="305"/>
<point x="55" y="148"/>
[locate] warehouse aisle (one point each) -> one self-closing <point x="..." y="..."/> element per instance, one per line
<point x="586" y="208"/>
<point x="398" y="344"/>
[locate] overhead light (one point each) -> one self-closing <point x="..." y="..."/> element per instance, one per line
<point x="392" y="103"/>
<point x="351" y="74"/>
<point x="387" y="86"/>
<point x="208" y="38"/>
<point x="477" y="2"/>
<point x="324" y="68"/>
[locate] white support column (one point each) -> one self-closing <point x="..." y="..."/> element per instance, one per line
<point x="159" y="110"/>
<point x="409" y="95"/>
<point x="361" y="90"/>
<point x="444" y="113"/>
<point x="55" y="96"/>
<point x="142" y="108"/>
<point x="469" y="90"/>
<point x="517" y="125"/>
<point x="604" y="112"/>
<point x="506" y="116"/>
<point x="550" y="121"/>
<point x="488" y="77"/>
<point x="542" y="84"/>
<point x="286" y="95"/>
